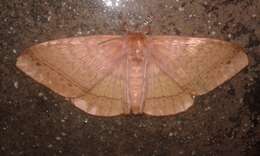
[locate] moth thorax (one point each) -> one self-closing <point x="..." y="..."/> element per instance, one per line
<point x="136" y="54"/>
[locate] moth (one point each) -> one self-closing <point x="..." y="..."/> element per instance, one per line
<point x="108" y="75"/>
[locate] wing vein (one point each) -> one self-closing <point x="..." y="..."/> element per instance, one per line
<point x="65" y="76"/>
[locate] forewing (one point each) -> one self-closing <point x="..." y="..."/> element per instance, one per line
<point x="87" y="70"/>
<point x="164" y="96"/>
<point x="197" y="65"/>
<point x="71" y="66"/>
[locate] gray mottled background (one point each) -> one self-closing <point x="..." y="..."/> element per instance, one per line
<point x="36" y="121"/>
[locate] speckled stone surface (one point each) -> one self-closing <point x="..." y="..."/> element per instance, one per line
<point x="36" y="121"/>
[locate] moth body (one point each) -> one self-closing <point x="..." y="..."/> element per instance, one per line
<point x="136" y="71"/>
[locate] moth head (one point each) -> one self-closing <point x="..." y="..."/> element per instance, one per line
<point x="136" y="44"/>
<point x="137" y="26"/>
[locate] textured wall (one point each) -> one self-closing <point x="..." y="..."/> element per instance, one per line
<point x="36" y="121"/>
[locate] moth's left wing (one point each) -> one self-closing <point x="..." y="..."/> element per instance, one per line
<point x="71" y="66"/>
<point x="87" y="70"/>
<point x="107" y="97"/>
<point x="197" y="65"/>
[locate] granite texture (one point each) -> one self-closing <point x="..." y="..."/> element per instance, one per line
<point x="36" y="121"/>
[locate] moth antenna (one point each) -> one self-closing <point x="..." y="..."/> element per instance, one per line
<point x="146" y="26"/>
<point x="125" y="24"/>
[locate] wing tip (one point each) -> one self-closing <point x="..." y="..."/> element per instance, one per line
<point x="226" y="71"/>
<point x="23" y="62"/>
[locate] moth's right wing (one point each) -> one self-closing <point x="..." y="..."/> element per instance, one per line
<point x="74" y="67"/>
<point x="183" y="67"/>
<point x="198" y="65"/>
